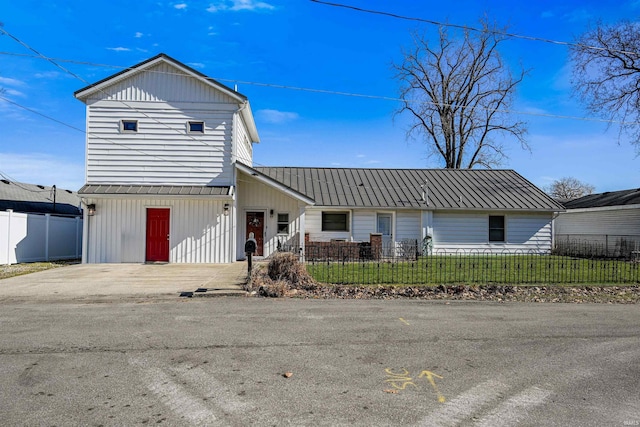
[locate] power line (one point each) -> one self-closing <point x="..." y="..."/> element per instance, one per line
<point x="469" y="28"/>
<point x="331" y="92"/>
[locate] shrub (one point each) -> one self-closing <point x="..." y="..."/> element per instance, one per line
<point x="282" y="274"/>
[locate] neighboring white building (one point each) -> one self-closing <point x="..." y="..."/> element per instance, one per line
<point x="169" y="178"/>
<point x="610" y="220"/>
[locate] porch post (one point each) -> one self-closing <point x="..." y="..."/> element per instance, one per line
<point x="302" y="233"/>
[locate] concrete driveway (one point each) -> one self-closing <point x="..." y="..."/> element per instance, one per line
<point x="122" y="281"/>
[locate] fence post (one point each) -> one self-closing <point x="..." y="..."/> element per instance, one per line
<point x="47" y="217"/>
<point x="78" y="231"/>
<point x="10" y="212"/>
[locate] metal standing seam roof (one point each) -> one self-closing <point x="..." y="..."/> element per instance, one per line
<point x="31" y="198"/>
<point x="154" y="190"/>
<point x="477" y="189"/>
<point x="611" y="198"/>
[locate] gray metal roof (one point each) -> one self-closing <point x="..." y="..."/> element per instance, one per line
<point x="31" y="198"/>
<point x="403" y="188"/>
<point x="612" y="198"/>
<point x="154" y="190"/>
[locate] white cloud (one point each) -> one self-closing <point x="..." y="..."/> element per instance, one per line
<point x="14" y="92"/>
<point x="238" y="5"/>
<point x="6" y="81"/>
<point x="275" y="116"/>
<point x="44" y="169"/>
<point x="360" y="156"/>
<point x="180" y="6"/>
<point x="119" y="49"/>
<point x="195" y="64"/>
<point x="47" y="75"/>
<point x="138" y="35"/>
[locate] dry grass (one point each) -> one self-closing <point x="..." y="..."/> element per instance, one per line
<point x="12" y="270"/>
<point x="282" y="276"/>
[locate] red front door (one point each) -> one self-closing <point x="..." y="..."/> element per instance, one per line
<point x="157" y="235"/>
<point x="255" y="225"/>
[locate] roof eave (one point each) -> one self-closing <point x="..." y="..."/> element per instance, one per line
<point x="84" y="93"/>
<point x="274" y="184"/>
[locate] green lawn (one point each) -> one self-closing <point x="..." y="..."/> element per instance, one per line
<point x="501" y="269"/>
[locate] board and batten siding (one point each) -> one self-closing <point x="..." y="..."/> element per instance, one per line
<point x="453" y="232"/>
<point x="610" y="221"/>
<point x="254" y="196"/>
<point x="199" y="231"/>
<point x="162" y="151"/>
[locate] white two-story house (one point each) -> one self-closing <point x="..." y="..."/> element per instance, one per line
<point x="170" y="178"/>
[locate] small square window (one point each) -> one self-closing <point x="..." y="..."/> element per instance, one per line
<point x="283" y="223"/>
<point x="196" y="127"/>
<point x="129" y="126"/>
<point x="496" y="229"/>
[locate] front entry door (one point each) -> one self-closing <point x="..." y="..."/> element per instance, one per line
<point x="255" y="225"/>
<point x="385" y="228"/>
<point x="157" y="235"/>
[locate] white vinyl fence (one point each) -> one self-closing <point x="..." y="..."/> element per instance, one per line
<point x="35" y="237"/>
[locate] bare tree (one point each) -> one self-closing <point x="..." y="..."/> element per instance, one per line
<point x="606" y="74"/>
<point x="568" y="188"/>
<point x="458" y="93"/>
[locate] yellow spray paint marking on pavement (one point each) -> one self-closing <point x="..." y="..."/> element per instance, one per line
<point x="399" y="381"/>
<point x="404" y="321"/>
<point x="430" y="376"/>
<point x="402" y="379"/>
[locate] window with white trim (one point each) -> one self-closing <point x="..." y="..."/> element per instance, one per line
<point x="496" y="228"/>
<point x="195" y="127"/>
<point x="128" y="125"/>
<point x="283" y="223"/>
<point x="335" y="221"/>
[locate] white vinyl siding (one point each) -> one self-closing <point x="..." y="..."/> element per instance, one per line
<point x="199" y="231"/>
<point x="470" y="232"/>
<point x="163" y="101"/>
<point x="255" y="196"/>
<point x="621" y="222"/>
<point x="162" y="83"/>
<point x="407" y="225"/>
<point x="161" y="152"/>
<point x="364" y="223"/>
<point x="244" y="149"/>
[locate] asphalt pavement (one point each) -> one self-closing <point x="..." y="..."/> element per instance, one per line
<point x="126" y="281"/>
<point x="251" y="361"/>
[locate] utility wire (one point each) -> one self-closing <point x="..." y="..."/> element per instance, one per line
<point x="333" y="92"/>
<point x="54" y="62"/>
<point x="468" y="28"/>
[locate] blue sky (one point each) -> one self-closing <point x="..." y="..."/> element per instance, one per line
<point x="263" y="45"/>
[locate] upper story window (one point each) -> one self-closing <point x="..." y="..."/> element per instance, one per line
<point x="129" y="126"/>
<point x="496" y="228"/>
<point x="195" y="127"/>
<point x="335" y="221"/>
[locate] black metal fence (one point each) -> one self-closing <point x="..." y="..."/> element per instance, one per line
<point x="598" y="246"/>
<point x="406" y="264"/>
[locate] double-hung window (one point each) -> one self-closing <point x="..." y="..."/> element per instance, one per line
<point x="496" y="228"/>
<point x="283" y="223"/>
